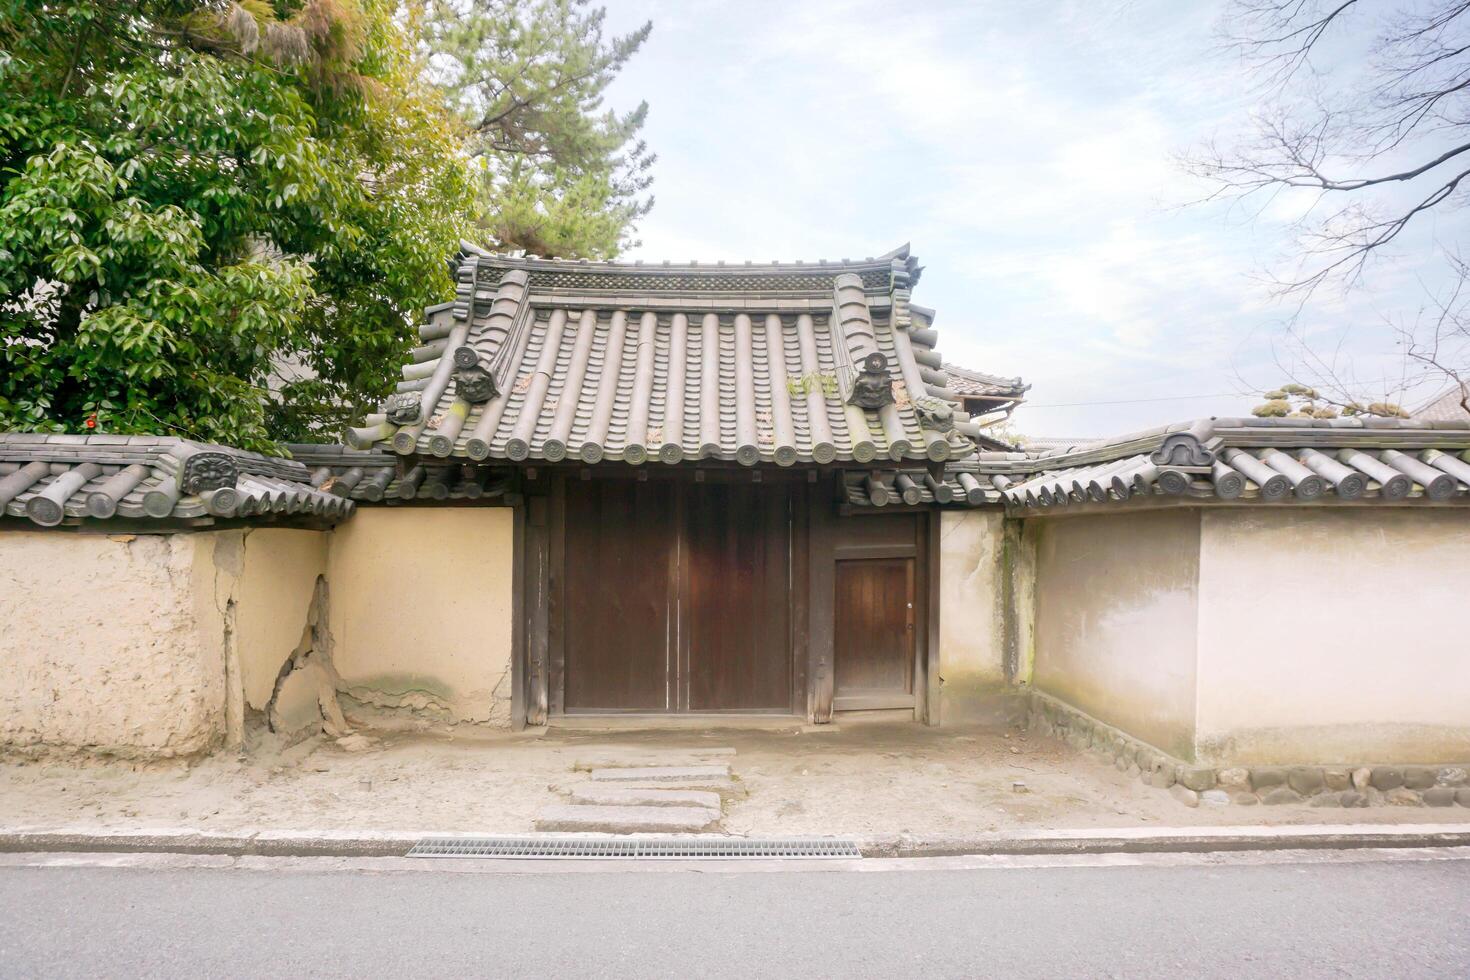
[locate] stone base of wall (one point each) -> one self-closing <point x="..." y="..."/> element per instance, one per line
<point x="1315" y="785"/>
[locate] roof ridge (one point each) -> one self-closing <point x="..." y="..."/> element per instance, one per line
<point x="520" y="259"/>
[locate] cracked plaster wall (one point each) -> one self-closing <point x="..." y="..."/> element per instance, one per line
<point x="421" y="611"/>
<point x="159" y="645"/>
<point x="111" y="643"/>
<point x="147" y="645"/>
<point x="277" y="579"/>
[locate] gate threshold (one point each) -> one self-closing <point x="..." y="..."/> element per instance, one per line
<point x="632" y="722"/>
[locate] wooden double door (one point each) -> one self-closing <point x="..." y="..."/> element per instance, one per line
<point x="675" y="597"/>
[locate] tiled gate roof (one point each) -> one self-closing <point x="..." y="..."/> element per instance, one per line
<point x="554" y="360"/>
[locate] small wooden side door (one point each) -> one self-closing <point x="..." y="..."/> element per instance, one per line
<point x="873" y="635"/>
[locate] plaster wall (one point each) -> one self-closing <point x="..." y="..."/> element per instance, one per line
<point x="972" y="615"/>
<point x="278" y="570"/>
<point x="1334" y="635"/>
<point x="112" y="643"/>
<point x="1116" y="617"/>
<point x="421" y="610"/>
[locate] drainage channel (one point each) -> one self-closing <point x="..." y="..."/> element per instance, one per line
<point x="675" y="848"/>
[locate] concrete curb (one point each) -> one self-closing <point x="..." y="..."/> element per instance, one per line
<point x="1179" y="840"/>
<point x="1153" y="840"/>
<point x="288" y="844"/>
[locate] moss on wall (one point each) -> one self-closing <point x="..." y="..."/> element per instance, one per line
<point x="421" y="610"/>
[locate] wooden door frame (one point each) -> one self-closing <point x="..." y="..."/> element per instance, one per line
<point x="827" y="548"/>
<point x="538" y="663"/>
<point x="909" y="700"/>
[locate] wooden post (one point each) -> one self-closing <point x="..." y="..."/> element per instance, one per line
<point x="930" y="653"/>
<point x="820" y="676"/>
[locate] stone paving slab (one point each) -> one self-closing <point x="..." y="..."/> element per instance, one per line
<point x="727" y="788"/>
<point x="661" y="774"/>
<point x="644" y="758"/>
<point x="626" y="819"/>
<point x="640" y="796"/>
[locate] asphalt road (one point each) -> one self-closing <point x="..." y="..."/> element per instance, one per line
<point x="1321" y="917"/>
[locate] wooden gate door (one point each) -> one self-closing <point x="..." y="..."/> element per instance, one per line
<point x="873" y="638"/>
<point x="737" y="630"/>
<point x="616" y="593"/>
<point x="676" y="597"/>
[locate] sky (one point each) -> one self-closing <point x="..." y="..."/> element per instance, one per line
<point x="1029" y="152"/>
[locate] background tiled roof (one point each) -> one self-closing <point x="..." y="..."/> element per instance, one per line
<point x="1444" y="407"/>
<point x="969" y="382"/>
<point x="1268" y="460"/>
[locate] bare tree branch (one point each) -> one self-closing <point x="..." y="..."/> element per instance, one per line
<point x="1366" y="109"/>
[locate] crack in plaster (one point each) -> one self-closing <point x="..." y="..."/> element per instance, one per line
<point x="311" y="661"/>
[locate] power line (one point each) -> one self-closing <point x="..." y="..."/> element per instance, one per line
<point x="1132" y="401"/>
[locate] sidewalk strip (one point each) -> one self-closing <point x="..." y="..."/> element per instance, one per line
<point x="1154" y="840"/>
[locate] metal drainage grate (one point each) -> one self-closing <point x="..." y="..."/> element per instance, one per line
<point x="686" y="848"/>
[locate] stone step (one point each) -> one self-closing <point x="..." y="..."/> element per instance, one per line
<point x="622" y="758"/>
<point x="727" y="788"/>
<point x="598" y="795"/>
<point x="626" y="819"/>
<point x="661" y="774"/>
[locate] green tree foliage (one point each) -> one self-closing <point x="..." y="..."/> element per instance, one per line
<point x="559" y="174"/>
<point x="217" y="220"/>
<point x="1300" y="402"/>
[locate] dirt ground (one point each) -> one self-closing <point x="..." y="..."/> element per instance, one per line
<point x="878" y="782"/>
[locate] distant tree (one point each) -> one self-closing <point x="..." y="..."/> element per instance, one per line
<point x="559" y="174"/>
<point x="217" y="220"/>
<point x="1382" y="139"/>
<point x="1298" y="401"/>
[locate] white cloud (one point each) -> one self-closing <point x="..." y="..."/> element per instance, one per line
<point x="1026" y="151"/>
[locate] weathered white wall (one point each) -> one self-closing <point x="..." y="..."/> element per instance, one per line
<point x="421" y="610"/>
<point x="111" y="643"/>
<point x="971" y="615"/>
<point x="1335" y="635"/>
<point x="1115" y="624"/>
